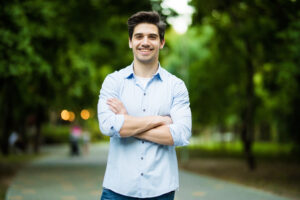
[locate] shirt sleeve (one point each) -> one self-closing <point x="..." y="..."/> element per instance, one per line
<point x="181" y="115"/>
<point x="109" y="122"/>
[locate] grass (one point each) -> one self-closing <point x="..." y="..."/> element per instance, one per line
<point x="263" y="150"/>
<point x="278" y="171"/>
<point x="9" y="166"/>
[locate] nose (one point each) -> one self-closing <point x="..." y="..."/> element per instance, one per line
<point x="145" y="41"/>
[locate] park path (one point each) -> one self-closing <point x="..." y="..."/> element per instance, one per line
<point x="61" y="177"/>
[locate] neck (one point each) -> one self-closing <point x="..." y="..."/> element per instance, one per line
<point x="145" y="70"/>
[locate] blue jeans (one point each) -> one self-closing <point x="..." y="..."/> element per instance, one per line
<point x="110" y="195"/>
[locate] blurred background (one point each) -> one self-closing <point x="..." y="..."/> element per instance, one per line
<point x="240" y="60"/>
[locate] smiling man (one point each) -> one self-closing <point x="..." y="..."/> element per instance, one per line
<point x="146" y="112"/>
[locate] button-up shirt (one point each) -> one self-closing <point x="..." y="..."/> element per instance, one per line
<point x="140" y="168"/>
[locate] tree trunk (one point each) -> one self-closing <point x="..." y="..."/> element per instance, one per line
<point x="38" y="123"/>
<point x="293" y="121"/>
<point x="37" y="138"/>
<point x="248" y="124"/>
<point x="7" y="116"/>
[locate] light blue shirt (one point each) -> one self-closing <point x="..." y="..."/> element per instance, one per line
<point x="139" y="168"/>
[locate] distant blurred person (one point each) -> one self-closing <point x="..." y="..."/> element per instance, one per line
<point x="86" y="141"/>
<point x="74" y="140"/>
<point x="12" y="140"/>
<point x="146" y="112"/>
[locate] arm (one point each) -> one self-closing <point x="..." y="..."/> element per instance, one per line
<point x="181" y="115"/>
<point x="133" y="126"/>
<point x="109" y="122"/>
<point x="159" y="135"/>
<point x="181" y="120"/>
<point x="112" y="115"/>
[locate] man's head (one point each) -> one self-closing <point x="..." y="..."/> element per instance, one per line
<point x="150" y="17"/>
<point x="146" y="36"/>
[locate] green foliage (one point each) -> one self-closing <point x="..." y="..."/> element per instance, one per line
<point x="92" y="126"/>
<point x="60" y="133"/>
<point x="215" y="55"/>
<point x="261" y="150"/>
<point x="55" y="55"/>
<point x="53" y="134"/>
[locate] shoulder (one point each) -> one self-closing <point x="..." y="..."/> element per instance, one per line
<point x="171" y="78"/>
<point x="117" y="76"/>
<point x="177" y="85"/>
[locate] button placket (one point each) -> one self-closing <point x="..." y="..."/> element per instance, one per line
<point x="144" y="106"/>
<point x="144" y="110"/>
<point x="142" y="164"/>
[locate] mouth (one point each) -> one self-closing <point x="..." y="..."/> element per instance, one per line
<point x="145" y="51"/>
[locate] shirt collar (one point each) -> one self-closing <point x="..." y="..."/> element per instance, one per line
<point x="129" y="73"/>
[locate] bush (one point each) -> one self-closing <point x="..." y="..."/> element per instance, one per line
<point x="55" y="133"/>
<point x="92" y="126"/>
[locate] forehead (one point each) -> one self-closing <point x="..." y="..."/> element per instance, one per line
<point x="145" y="28"/>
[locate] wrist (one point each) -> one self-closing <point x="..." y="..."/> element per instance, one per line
<point x="156" y="121"/>
<point x="162" y="120"/>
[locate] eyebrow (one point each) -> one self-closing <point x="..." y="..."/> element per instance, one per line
<point x="151" y="34"/>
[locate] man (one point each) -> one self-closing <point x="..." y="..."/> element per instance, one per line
<point x="145" y="111"/>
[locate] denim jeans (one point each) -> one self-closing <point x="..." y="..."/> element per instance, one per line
<point x="110" y="195"/>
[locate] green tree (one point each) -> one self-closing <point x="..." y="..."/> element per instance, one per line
<point x="53" y="56"/>
<point x="253" y="48"/>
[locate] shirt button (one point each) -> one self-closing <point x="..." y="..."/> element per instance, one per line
<point x="142" y="174"/>
<point x="143" y="142"/>
<point x="144" y="94"/>
<point x="144" y="110"/>
<point x="142" y="158"/>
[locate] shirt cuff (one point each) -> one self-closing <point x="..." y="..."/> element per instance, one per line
<point x="119" y="121"/>
<point x="176" y="135"/>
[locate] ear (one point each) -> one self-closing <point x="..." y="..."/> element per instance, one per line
<point x="130" y="43"/>
<point x="162" y="44"/>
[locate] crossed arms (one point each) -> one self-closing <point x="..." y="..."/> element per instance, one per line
<point x="150" y="128"/>
<point x="115" y="122"/>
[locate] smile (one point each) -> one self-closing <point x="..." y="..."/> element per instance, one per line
<point x="145" y="51"/>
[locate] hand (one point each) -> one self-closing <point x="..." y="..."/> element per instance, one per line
<point x="116" y="106"/>
<point x="167" y="120"/>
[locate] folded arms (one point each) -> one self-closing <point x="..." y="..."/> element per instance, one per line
<point x="166" y="130"/>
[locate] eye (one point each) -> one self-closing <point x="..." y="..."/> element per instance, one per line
<point x="138" y="36"/>
<point x="152" y="37"/>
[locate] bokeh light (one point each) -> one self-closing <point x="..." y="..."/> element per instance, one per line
<point x="72" y="116"/>
<point x="85" y="114"/>
<point x="65" y="115"/>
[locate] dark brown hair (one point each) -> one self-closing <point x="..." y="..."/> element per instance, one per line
<point x="150" y="17"/>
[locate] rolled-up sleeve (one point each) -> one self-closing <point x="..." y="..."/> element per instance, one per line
<point x="109" y="123"/>
<point x="181" y="115"/>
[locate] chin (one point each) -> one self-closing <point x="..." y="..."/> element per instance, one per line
<point x="148" y="61"/>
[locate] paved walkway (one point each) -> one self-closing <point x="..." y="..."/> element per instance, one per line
<point x="61" y="177"/>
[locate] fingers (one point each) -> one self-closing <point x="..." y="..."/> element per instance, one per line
<point x="116" y="106"/>
<point x="113" y="110"/>
<point x="114" y="101"/>
<point x="113" y="107"/>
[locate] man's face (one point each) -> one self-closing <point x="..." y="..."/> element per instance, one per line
<point x="145" y="43"/>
